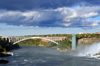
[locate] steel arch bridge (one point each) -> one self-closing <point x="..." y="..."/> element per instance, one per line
<point x="36" y="38"/>
<point x="16" y="39"/>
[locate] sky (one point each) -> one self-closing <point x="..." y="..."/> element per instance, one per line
<point x="40" y="17"/>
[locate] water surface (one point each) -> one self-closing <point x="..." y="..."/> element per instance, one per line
<point x="40" y="56"/>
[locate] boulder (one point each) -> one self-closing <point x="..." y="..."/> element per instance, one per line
<point x="5" y="54"/>
<point x="2" y="61"/>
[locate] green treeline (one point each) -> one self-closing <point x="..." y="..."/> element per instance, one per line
<point x="67" y="35"/>
<point x="49" y="35"/>
<point x="65" y="44"/>
<point x="89" y="35"/>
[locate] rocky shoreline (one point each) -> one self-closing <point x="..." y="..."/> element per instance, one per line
<point x="3" y="61"/>
<point x="5" y="52"/>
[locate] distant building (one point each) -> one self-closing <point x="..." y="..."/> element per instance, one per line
<point x="81" y="33"/>
<point x="97" y="32"/>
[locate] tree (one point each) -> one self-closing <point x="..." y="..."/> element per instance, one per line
<point x="65" y="44"/>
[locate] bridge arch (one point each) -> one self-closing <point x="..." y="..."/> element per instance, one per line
<point x="35" y="38"/>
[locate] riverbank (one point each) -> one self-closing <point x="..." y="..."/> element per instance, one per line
<point x="5" y="52"/>
<point x="5" y="48"/>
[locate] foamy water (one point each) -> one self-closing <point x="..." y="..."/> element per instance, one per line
<point x="92" y="50"/>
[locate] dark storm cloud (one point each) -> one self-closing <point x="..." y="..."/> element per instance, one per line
<point x="44" y="4"/>
<point x="92" y="2"/>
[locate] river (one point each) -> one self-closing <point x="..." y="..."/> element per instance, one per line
<point x="40" y="56"/>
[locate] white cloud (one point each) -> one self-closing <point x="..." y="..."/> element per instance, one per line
<point x="90" y="23"/>
<point x="89" y="15"/>
<point x="67" y="24"/>
<point x="60" y="17"/>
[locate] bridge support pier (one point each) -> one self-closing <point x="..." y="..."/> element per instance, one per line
<point x="73" y="41"/>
